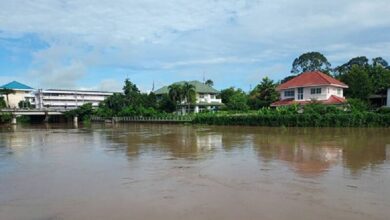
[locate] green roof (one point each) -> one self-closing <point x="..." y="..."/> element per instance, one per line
<point x="199" y="88"/>
<point x="16" y="86"/>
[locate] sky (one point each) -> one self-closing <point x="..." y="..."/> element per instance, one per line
<point x="97" y="44"/>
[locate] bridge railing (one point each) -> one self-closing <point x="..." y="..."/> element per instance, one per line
<point x="144" y="119"/>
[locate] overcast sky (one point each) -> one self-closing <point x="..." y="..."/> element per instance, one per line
<point x="96" y="44"/>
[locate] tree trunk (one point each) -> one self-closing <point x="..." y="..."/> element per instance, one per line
<point x="7" y="101"/>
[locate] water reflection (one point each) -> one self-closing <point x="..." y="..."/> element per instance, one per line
<point x="307" y="151"/>
<point x="144" y="171"/>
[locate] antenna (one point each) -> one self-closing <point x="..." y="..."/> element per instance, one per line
<point x="153" y="86"/>
<point x="204" y="79"/>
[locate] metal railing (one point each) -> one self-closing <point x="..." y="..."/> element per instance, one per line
<point x="176" y="119"/>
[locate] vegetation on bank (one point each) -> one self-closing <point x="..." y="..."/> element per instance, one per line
<point x="354" y="114"/>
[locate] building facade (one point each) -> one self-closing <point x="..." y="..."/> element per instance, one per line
<point x="206" y="97"/>
<point x="67" y="99"/>
<point x="309" y="87"/>
<point x="19" y="92"/>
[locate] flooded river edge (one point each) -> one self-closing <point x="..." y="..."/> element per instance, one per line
<point x="160" y="171"/>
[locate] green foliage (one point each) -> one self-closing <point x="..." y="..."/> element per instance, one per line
<point x="209" y="82"/>
<point x="263" y="95"/>
<point x="383" y="110"/>
<point x="5" y="117"/>
<point x="359" y="83"/>
<point x="313" y="116"/>
<point x="83" y="112"/>
<point x="3" y="104"/>
<point x="165" y="104"/>
<point x="380" y="79"/>
<point x="358" y="105"/>
<point x="24" y="104"/>
<point x="235" y="99"/>
<point x="361" y="62"/>
<point x="311" y="61"/>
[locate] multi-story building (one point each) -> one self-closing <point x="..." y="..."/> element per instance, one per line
<point x="311" y="86"/>
<point x="68" y="99"/>
<point x="206" y="97"/>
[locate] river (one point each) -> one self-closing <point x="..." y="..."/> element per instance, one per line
<point x="169" y="172"/>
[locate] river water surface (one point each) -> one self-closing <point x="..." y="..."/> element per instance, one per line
<point x="169" y="172"/>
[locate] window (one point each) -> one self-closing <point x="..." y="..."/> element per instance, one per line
<point x="315" y="91"/>
<point x="289" y="93"/>
<point x="300" y="93"/>
<point x="338" y="91"/>
<point x="201" y="96"/>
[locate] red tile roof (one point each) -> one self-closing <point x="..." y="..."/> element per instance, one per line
<point x="333" y="100"/>
<point x="311" y="79"/>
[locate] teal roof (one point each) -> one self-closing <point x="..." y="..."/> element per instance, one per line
<point x="199" y="88"/>
<point x="16" y="85"/>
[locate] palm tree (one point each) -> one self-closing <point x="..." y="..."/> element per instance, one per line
<point x="6" y="92"/>
<point x="175" y="93"/>
<point x="209" y="82"/>
<point x="189" y="94"/>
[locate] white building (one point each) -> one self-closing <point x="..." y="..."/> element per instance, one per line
<point x="311" y="86"/>
<point x="68" y="99"/>
<point x="206" y="97"/>
<point x="20" y="92"/>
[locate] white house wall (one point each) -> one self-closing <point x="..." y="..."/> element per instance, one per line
<point x="326" y="93"/>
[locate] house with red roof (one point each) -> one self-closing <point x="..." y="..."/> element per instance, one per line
<point x="311" y="86"/>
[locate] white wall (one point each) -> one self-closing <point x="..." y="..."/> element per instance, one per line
<point x="326" y="93"/>
<point x="14" y="99"/>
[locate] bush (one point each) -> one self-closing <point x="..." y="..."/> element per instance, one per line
<point x="332" y="118"/>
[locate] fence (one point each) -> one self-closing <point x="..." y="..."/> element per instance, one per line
<point x="170" y="119"/>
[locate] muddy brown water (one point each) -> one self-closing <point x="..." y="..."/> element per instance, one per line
<point x="145" y="171"/>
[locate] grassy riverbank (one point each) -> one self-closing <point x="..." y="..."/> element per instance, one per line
<point x="314" y="115"/>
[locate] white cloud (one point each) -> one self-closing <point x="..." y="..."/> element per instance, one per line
<point x="176" y="36"/>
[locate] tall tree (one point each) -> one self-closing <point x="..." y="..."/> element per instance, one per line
<point x="359" y="83"/>
<point x="175" y="93"/>
<point x="189" y="94"/>
<point x="311" y="61"/>
<point x="7" y="92"/>
<point x="379" y="61"/>
<point x="380" y="79"/>
<point x="361" y="62"/>
<point x="264" y="94"/>
<point x="209" y="82"/>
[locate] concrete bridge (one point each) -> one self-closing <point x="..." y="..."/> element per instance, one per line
<point x="35" y="112"/>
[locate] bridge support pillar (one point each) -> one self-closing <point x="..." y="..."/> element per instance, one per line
<point x="46" y="120"/>
<point x="75" y="119"/>
<point x="13" y="120"/>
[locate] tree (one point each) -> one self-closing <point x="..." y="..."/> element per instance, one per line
<point x="24" y="104"/>
<point x="175" y="93"/>
<point x="361" y="62"/>
<point x="189" y="94"/>
<point x="311" y="61"/>
<point x="7" y="92"/>
<point x="238" y="101"/>
<point x="379" y="61"/>
<point x="226" y="94"/>
<point x="209" y="82"/>
<point x="234" y="99"/>
<point x="359" y="83"/>
<point x="130" y="88"/>
<point x="2" y="103"/>
<point x="264" y="94"/>
<point x="166" y="104"/>
<point x="380" y="79"/>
